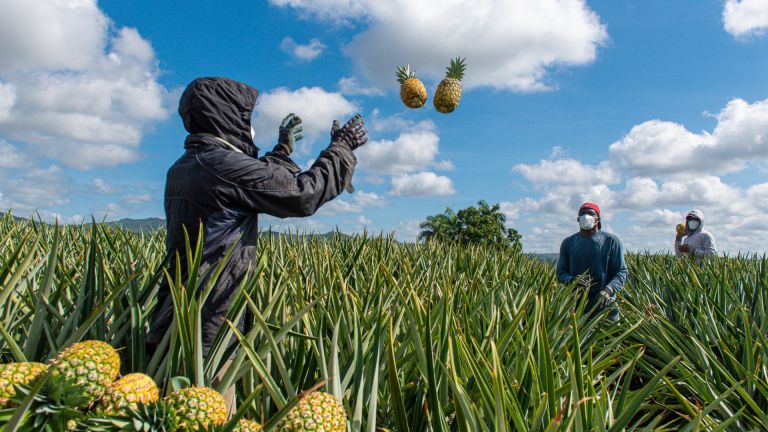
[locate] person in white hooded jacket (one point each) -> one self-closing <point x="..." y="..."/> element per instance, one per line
<point x="696" y="241"/>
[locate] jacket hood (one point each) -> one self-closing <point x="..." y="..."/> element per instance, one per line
<point x="698" y="214"/>
<point x="221" y="107"/>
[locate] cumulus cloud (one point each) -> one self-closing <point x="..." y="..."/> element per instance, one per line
<point x="316" y="107"/>
<point x="421" y="184"/>
<point x="568" y="172"/>
<point x="743" y="18"/>
<point x="72" y="86"/>
<point x="37" y="189"/>
<point x="411" y="151"/>
<point x="408" y="230"/>
<point x="302" y="52"/>
<point x="513" y="52"/>
<point x="352" y="87"/>
<point x="11" y="157"/>
<point x="663" y="148"/>
<point x="361" y="200"/>
<point x="102" y="187"/>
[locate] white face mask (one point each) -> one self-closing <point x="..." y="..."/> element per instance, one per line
<point x="587" y="222"/>
<point x="693" y="225"/>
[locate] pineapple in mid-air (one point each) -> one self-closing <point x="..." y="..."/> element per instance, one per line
<point x="316" y="412"/>
<point x="82" y="373"/>
<point x="680" y="229"/>
<point x="247" y="426"/>
<point x="13" y="374"/>
<point x="448" y="93"/>
<point x="412" y="90"/>
<point x="196" y="408"/>
<point x="127" y="392"/>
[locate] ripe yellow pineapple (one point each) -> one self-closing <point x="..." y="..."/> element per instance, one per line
<point x="196" y="408"/>
<point x="82" y="373"/>
<point x="13" y="374"/>
<point x="448" y="93"/>
<point x="316" y="412"/>
<point x="680" y="228"/>
<point x="127" y="392"/>
<point x="247" y="426"/>
<point x="412" y="90"/>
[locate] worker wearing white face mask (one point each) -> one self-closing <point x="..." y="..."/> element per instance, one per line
<point x="594" y="260"/>
<point x="696" y="241"/>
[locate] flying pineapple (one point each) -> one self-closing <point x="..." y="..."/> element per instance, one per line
<point x="14" y="374"/>
<point x="197" y="407"/>
<point x="680" y="229"/>
<point x="316" y="412"/>
<point x="127" y="392"/>
<point x="412" y="90"/>
<point x="82" y="373"/>
<point x="448" y="93"/>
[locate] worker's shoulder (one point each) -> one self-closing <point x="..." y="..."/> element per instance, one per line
<point x="611" y="238"/>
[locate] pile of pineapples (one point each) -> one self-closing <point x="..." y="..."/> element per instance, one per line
<point x="79" y="391"/>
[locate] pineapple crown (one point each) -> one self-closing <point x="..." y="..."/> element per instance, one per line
<point x="456" y="69"/>
<point x="404" y="73"/>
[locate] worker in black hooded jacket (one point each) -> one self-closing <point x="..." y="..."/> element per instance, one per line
<point x="221" y="183"/>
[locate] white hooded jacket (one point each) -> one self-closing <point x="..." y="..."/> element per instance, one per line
<point x="700" y="241"/>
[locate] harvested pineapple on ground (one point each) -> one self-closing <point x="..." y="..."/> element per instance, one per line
<point x="448" y="93"/>
<point x="13" y="374"/>
<point x="197" y="407"/>
<point x="412" y="90"/>
<point x="316" y="412"/>
<point x="127" y="392"/>
<point x="82" y="373"/>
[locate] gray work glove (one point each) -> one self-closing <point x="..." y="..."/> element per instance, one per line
<point x="604" y="298"/>
<point x="290" y="131"/>
<point x="583" y="282"/>
<point x="352" y="135"/>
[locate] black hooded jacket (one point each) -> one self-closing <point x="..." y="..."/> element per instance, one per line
<point x="220" y="183"/>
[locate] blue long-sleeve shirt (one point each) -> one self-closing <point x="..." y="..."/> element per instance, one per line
<point x="601" y="256"/>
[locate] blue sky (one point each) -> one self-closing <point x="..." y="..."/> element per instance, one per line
<point x="651" y="108"/>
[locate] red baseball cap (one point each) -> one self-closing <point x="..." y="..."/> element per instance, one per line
<point x="595" y="207"/>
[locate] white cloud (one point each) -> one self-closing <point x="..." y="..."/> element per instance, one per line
<point x="743" y="18"/>
<point x="369" y="199"/>
<point x="37" y="189"/>
<point x="137" y="199"/>
<point x="316" y="107"/>
<point x="413" y="150"/>
<point x="302" y="52"/>
<point x="421" y="184"/>
<point x="408" y="230"/>
<point x="11" y="157"/>
<point x="338" y="206"/>
<point x="508" y="44"/>
<point x="661" y="148"/>
<point x="568" y="172"/>
<point x="350" y="86"/>
<point x="72" y="86"/>
<point x="103" y="187"/>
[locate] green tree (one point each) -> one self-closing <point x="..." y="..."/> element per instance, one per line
<point x="483" y="224"/>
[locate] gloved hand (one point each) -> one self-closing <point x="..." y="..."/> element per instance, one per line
<point x="583" y="282"/>
<point x="604" y="298"/>
<point x="290" y="131"/>
<point x="352" y="135"/>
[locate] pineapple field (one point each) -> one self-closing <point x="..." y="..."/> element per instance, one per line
<point x="367" y="334"/>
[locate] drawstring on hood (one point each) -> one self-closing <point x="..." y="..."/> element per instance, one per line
<point x="221" y="109"/>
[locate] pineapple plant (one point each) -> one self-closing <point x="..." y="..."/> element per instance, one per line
<point x="318" y="411"/>
<point x="127" y="392"/>
<point x="680" y="228"/>
<point x="245" y="425"/>
<point x="448" y="93"/>
<point x="82" y="373"/>
<point x="13" y="374"/>
<point x="197" y="407"/>
<point x="412" y="90"/>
